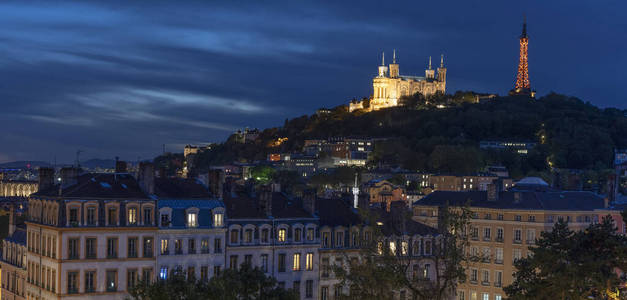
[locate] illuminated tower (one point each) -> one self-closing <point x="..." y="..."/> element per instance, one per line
<point x="355" y="193"/>
<point x="522" y="86"/>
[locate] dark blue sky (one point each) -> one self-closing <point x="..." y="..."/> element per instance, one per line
<point x="114" y="79"/>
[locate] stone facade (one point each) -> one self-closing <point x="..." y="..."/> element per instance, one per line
<point x="389" y="86"/>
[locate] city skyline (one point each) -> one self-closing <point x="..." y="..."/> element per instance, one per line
<point x="123" y="81"/>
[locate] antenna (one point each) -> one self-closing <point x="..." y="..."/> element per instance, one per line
<point x="429" y="62"/>
<point x="78" y="153"/>
<point x="394" y="57"/>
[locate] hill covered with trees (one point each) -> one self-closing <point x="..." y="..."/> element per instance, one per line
<point x="569" y="133"/>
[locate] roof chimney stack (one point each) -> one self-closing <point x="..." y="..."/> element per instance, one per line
<point x="493" y="192"/>
<point x="120" y="166"/>
<point x="265" y="200"/>
<point x="309" y="201"/>
<point x="146" y="177"/>
<point x="69" y="176"/>
<point x="46" y="178"/>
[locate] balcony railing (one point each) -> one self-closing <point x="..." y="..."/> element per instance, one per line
<point x="531" y="242"/>
<point x="499" y="239"/>
<point x="498" y="261"/>
<point x="497" y="284"/>
<point x="486" y="283"/>
<point x="486" y="239"/>
<point x="517" y="241"/>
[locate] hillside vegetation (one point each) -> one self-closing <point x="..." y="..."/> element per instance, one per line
<point x="570" y="134"/>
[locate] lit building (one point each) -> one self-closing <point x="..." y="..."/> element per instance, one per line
<point x="389" y="86"/>
<point x="519" y="147"/>
<point x="191" y="229"/>
<point x="277" y="234"/>
<point x="90" y="236"/>
<point x="13" y="262"/>
<point x="17" y="188"/>
<point x="505" y="223"/>
<point x="522" y="86"/>
<point x="384" y="192"/>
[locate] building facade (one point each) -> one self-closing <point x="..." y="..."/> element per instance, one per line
<point x="505" y="224"/>
<point x="389" y="86"/>
<point x="13" y="262"/>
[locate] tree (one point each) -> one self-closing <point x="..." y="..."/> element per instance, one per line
<point x="568" y="264"/>
<point x="232" y="284"/>
<point x="381" y="270"/>
<point x="262" y="174"/>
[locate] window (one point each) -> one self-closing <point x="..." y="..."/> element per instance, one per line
<point x="265" y="234"/>
<point x="248" y="260"/>
<point x="296" y="288"/>
<point x="499" y="234"/>
<point x="233" y="262"/>
<point x="148" y="247"/>
<point x="531" y="236"/>
<point x="517" y="218"/>
<point x="427" y="247"/>
<point x="531" y="218"/>
<point x="517" y="254"/>
<point x="461" y="295"/>
<point x="296" y="262"/>
<point x="191" y="246"/>
<point x="90" y="281"/>
<point x="339" y="239"/>
<point x="131" y="278"/>
<point x="325" y="267"/>
<point x="165" y="220"/>
<point x="178" y="246"/>
<point x="91" y="215"/>
<point x="204" y="246"/>
<point x="73" y="248"/>
<point x="192" y="219"/>
<point x="392" y="248"/>
<point x="298" y="234"/>
<point x="234" y="236"/>
<point x="191" y="272"/>
<point x="309" y="262"/>
<point x="204" y="273"/>
<point x="147" y="216"/>
<point x="217" y="245"/>
<point x="282" y="234"/>
<point x="485" y="296"/>
<point x="132" y="247"/>
<point x="113" y="216"/>
<point x="517" y="235"/>
<point x="72" y="282"/>
<point x="282" y="262"/>
<point x="163" y="273"/>
<point x="337" y="291"/>
<point x="488" y="216"/>
<point x="111" y="280"/>
<point x="325" y="240"/>
<point x="425" y="271"/>
<point x="218" y="219"/>
<point x="310" y="234"/>
<point x="499" y="217"/>
<point x="473" y="275"/>
<point x="487" y="233"/>
<point x="248" y="236"/>
<point x="498" y="297"/>
<point x="308" y="288"/>
<point x="485" y="277"/>
<point x="73" y="216"/>
<point x="486" y="254"/>
<point x="164" y="247"/>
<point x="112" y="248"/>
<point x="90" y="248"/>
<point x="132" y="216"/>
<point x="499" y="256"/>
<point x="498" y="278"/>
<point x="216" y="270"/>
<point x="264" y="262"/>
<point x="473" y="295"/>
<point x="474" y="232"/>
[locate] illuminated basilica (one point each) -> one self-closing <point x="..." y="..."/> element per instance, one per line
<point x="389" y="86"/>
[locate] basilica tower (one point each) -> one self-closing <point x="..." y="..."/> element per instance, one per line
<point x="522" y="86"/>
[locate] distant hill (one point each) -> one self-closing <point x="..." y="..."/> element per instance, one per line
<point x="24" y="164"/>
<point x="576" y="135"/>
<point x="98" y="163"/>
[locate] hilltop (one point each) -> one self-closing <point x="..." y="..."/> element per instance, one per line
<point x="569" y="133"/>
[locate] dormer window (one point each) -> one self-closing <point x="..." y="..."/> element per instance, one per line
<point x="165" y="217"/>
<point x="218" y="219"/>
<point x="282" y="235"/>
<point x="132" y="216"/>
<point x="165" y="220"/>
<point x="73" y="216"/>
<point x="192" y="219"/>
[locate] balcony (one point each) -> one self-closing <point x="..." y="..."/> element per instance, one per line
<point x="517" y="241"/>
<point x="485" y="283"/>
<point x="473" y="281"/>
<point x="497" y="284"/>
<point x="531" y="242"/>
<point x="485" y="260"/>
<point x="474" y="238"/>
<point x="499" y="239"/>
<point x="498" y="261"/>
<point x="487" y="239"/>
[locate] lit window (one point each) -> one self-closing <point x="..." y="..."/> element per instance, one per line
<point x="163" y="273"/>
<point x="393" y="247"/>
<point x="132" y="216"/>
<point x="296" y="265"/>
<point x="218" y="220"/>
<point x="192" y="219"/>
<point x="282" y="234"/>
<point x="309" y="262"/>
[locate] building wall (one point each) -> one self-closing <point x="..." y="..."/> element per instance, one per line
<point x="13" y="268"/>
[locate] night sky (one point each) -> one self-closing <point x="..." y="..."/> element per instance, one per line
<point x="113" y="79"/>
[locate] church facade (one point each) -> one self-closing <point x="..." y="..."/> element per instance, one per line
<point x="389" y="86"/>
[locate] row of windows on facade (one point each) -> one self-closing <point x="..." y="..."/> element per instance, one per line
<point x="519" y="218"/>
<point x="499" y="237"/>
<point x="402" y="247"/>
<point x="191" y="246"/>
<point x="417" y="271"/>
<point x="265" y="235"/>
<point x="91" y="248"/>
<point x="133" y="216"/>
<point x="191" y="217"/>
<point x="461" y="295"/>
<point x="11" y="281"/>
<point x="485" y="277"/>
<point x="338" y="239"/>
<point x="13" y="253"/>
<point x="42" y="243"/>
<point x="89" y="280"/>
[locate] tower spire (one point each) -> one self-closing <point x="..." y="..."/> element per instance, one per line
<point x="524" y="28"/>
<point x="394" y="57"/>
<point x="429" y="62"/>
<point x="441" y="60"/>
<point x="522" y="86"/>
<point x="383" y="58"/>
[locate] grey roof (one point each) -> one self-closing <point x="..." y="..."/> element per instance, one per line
<point x="18" y="237"/>
<point x="179" y="206"/>
<point x="518" y="199"/>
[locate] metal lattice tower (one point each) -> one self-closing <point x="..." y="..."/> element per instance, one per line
<point x="522" y="80"/>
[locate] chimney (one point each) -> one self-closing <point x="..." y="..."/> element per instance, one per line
<point x="493" y="192"/>
<point x="606" y="202"/>
<point x="516" y="197"/>
<point x="216" y="182"/>
<point x="46" y="178"/>
<point x="120" y="166"/>
<point x="309" y="201"/>
<point x="69" y="176"/>
<point x="12" y="219"/>
<point x="265" y="200"/>
<point x="146" y="177"/>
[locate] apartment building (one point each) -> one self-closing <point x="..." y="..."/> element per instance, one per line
<point x="279" y="234"/>
<point x="505" y="224"/>
<point x="89" y="236"/>
<point x="13" y="261"/>
<point x="191" y="231"/>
